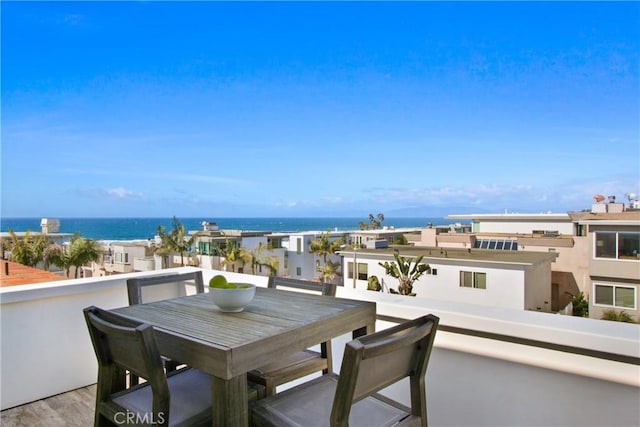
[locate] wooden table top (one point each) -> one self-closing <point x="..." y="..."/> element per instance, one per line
<point x="193" y="330"/>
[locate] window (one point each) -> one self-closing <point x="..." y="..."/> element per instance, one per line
<point x="298" y="271"/>
<point x="617" y="245"/>
<point x="605" y="245"/>
<point x="495" y="244"/>
<point x="363" y="270"/>
<point x="299" y="246"/>
<point x="122" y="257"/>
<point x="629" y="246"/>
<point x="615" y="296"/>
<point x="469" y="279"/>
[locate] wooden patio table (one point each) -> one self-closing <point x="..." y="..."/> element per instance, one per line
<point x="228" y="345"/>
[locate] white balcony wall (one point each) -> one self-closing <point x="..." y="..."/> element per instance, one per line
<point x="474" y="381"/>
<point x="471" y="381"/>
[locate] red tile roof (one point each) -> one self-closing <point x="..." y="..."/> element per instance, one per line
<point x="22" y="275"/>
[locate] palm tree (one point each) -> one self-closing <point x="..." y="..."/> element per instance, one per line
<point x="258" y="259"/>
<point x="233" y="254"/>
<point x="322" y="246"/>
<point x="176" y="240"/>
<point x="329" y="271"/>
<point x="272" y="265"/>
<point x="375" y="222"/>
<point x="162" y="249"/>
<point x="78" y="252"/>
<point x="245" y="256"/>
<point x="401" y="269"/>
<point x="29" y="251"/>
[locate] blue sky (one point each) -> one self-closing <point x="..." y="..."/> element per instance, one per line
<point x="212" y="109"/>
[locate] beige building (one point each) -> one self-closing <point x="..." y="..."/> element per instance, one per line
<point x="613" y="255"/>
<point x="577" y="238"/>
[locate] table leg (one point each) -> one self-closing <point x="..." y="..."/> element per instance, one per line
<point x="365" y="330"/>
<point x="230" y="401"/>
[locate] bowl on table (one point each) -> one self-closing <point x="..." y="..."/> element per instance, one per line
<point x="233" y="299"/>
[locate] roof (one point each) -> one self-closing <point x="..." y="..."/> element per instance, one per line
<point x="460" y="254"/>
<point x="508" y="216"/>
<point x="22" y="275"/>
<point x="626" y="217"/>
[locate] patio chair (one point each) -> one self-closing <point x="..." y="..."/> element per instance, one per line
<point x="370" y="363"/>
<point x="155" y="288"/>
<point x="164" y="286"/>
<point x="302" y="363"/>
<point x="180" y="398"/>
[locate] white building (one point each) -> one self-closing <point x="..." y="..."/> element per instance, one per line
<point x="516" y="223"/>
<point x="302" y="264"/>
<point x="126" y="257"/>
<point x="517" y="280"/>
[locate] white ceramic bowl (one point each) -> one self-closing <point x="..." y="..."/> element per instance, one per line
<point x="233" y="300"/>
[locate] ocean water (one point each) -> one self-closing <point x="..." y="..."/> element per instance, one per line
<point x="145" y="228"/>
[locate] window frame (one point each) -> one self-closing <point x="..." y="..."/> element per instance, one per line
<point x="474" y="279"/>
<point x="361" y="276"/>
<point x="616" y="246"/>
<point x="614" y="287"/>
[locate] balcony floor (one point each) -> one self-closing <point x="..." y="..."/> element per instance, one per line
<point x="74" y="408"/>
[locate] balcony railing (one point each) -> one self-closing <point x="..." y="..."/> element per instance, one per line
<point x="490" y="366"/>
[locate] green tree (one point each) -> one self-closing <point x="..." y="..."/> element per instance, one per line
<point x="373" y="284"/>
<point x="374" y="223"/>
<point x="78" y="252"/>
<point x="162" y="249"/>
<point x="30" y="250"/>
<point x="245" y="256"/>
<point x="257" y="256"/>
<point x="406" y="274"/>
<point x="401" y="240"/>
<point x="322" y="247"/>
<point x="178" y="241"/>
<point x="259" y="259"/>
<point x="617" y="316"/>
<point x="580" y="304"/>
<point x="233" y="254"/>
<point x="329" y="271"/>
<point x="272" y="264"/>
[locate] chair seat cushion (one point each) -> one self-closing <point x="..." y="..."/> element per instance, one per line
<point x="190" y="396"/>
<point x="307" y="360"/>
<point x="310" y="404"/>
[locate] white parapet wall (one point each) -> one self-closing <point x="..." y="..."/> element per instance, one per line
<point x="45" y="347"/>
<point x="474" y="378"/>
<point x="478" y="376"/>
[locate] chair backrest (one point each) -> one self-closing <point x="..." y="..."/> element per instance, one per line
<point x="155" y="288"/>
<point x="125" y="345"/>
<point x="373" y="362"/>
<point x="302" y="285"/>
